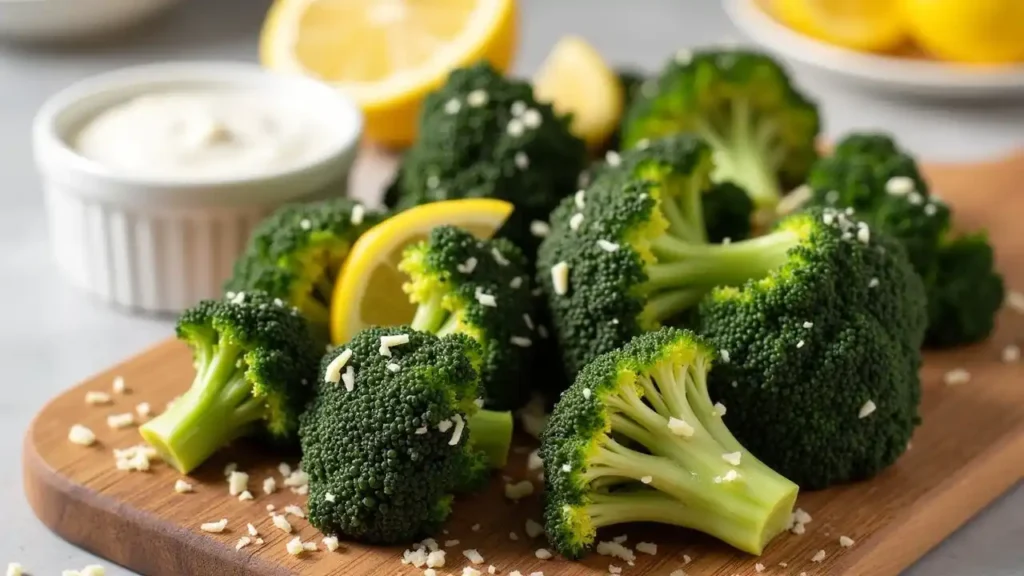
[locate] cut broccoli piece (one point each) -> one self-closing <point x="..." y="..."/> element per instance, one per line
<point x="482" y="135"/>
<point x="389" y="440"/>
<point x="637" y="439"/>
<point x="297" y="252"/>
<point x="253" y="355"/>
<point x="964" y="293"/>
<point x="762" y="129"/>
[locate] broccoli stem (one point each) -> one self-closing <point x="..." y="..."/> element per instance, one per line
<point x="490" y="432"/>
<point x="218" y="408"/>
<point x="430" y="315"/>
<point x="746" y="152"/>
<point x="685" y="480"/>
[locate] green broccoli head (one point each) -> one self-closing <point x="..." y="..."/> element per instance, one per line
<point x="252" y="353"/>
<point x="965" y="292"/>
<point x="483" y="135"/>
<point x="820" y="358"/>
<point x="479" y="288"/>
<point x="297" y="252"/>
<point x="762" y="129"/>
<point x="389" y="439"/>
<point x="728" y="213"/>
<point x="636" y="438"/>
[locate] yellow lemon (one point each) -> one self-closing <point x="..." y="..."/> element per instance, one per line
<point x="978" y="31"/>
<point x="867" y="25"/>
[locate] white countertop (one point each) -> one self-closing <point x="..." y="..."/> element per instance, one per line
<point x="53" y="336"/>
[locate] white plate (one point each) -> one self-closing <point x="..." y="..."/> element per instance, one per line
<point x="905" y="75"/>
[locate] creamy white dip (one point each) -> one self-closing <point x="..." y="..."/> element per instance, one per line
<point x="204" y="134"/>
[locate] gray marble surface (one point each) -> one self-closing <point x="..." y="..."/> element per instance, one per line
<point x="54" y="336"/>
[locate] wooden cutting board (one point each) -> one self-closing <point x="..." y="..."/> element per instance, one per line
<point x="969" y="450"/>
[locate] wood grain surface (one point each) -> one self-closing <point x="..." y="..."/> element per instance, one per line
<point x="969" y="450"/>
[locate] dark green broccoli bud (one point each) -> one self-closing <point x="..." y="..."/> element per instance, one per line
<point x="636" y="438"/>
<point x="964" y="293"/>
<point x="253" y="354"/>
<point x="389" y="439"/>
<point x="743" y="103"/>
<point x="483" y="135"/>
<point x="728" y="213"/>
<point x="297" y="252"/>
<point x="480" y="288"/>
<point x="871" y="175"/>
<point x="820" y="359"/>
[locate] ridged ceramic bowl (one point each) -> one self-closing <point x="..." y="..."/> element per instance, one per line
<point x="160" y="245"/>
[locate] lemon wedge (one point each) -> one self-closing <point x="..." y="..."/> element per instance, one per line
<point x="369" y="288"/>
<point x="387" y="54"/>
<point x="866" y="25"/>
<point x="575" y="79"/>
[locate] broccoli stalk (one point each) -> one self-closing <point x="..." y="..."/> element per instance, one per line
<point x="637" y="439"/>
<point x="491" y="435"/>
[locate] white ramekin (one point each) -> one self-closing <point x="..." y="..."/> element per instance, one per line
<point x="160" y="245"/>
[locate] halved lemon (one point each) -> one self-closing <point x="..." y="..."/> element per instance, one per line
<point x="369" y="288"/>
<point x="387" y="54"/>
<point x="868" y="25"/>
<point x="975" y="31"/>
<point x="575" y="79"/>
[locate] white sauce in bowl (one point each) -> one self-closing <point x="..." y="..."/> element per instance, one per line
<point x="204" y="134"/>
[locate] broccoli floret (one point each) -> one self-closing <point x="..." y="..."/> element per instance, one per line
<point x="480" y="288"/>
<point x="483" y="135"/>
<point x="636" y="438"/>
<point x="253" y="354"/>
<point x="743" y="103"/>
<point x="297" y="252"/>
<point x="964" y="292"/>
<point x="871" y="175"/>
<point x="388" y="440"/>
<point x="728" y="213"/>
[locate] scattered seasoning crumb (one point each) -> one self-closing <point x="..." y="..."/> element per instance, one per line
<point x="615" y="550"/>
<point x="294" y="546"/>
<point x="294" y="511"/>
<point x="95" y="398"/>
<point x="575" y="221"/>
<point x="586" y="393"/>
<point x="118" y="385"/>
<point x="867" y="409"/>
<point x="518" y="490"/>
<point x="873" y="283"/>
<point x="686" y="559"/>
<point x="331" y="543"/>
<point x="521" y="341"/>
<point x="956" y="377"/>
<point x="560" y="278"/>
<point x="647" y="479"/>
<point x="243" y="542"/>
<point x="270" y="507"/>
<point x="245" y="496"/>
<point x="358" y="212"/>
<point x="238" y="482"/>
<point x="613" y="569"/>
<point x="450" y="543"/>
<point x="436" y="559"/>
<point x="846" y="541"/>
<point x="533" y="528"/>
<point x="719" y="409"/>
<point x="269" y="485"/>
<point x="540" y="229"/>
<point x="513" y="536"/>
<point x="143" y="410"/>
<point x="281" y="522"/>
<point x="680" y="427"/>
<point x="1011" y="354"/>
<point x="759" y="567"/>
<point x="118" y="421"/>
<point x="491" y="569"/>
<point x="215" y="527"/>
<point x="332" y="374"/>
<point x="647" y="548"/>
<point x="473" y="556"/>
<point x="81" y="435"/>
<point x="1015" y="301"/>
<point x="732" y="457"/>
<point x="252" y="529"/>
<point x="620" y="538"/>
<point x="543" y="554"/>
<point x="182" y="487"/>
<point x="818" y="556"/>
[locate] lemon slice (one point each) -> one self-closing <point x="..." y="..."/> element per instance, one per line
<point x="387" y="54"/>
<point x="369" y="288"/>
<point x="867" y="25"/>
<point x="575" y="79"/>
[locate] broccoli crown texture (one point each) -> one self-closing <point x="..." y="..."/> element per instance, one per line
<point x="820" y="358"/>
<point x="297" y="252"/>
<point x="868" y="173"/>
<point x="480" y="288"/>
<point x="482" y="135"/>
<point x="253" y="355"/>
<point x="636" y="438"/>
<point x="762" y="129"/>
<point x="393" y="438"/>
<point x="964" y="293"/>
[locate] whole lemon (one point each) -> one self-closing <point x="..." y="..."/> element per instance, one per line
<point x="977" y="31"/>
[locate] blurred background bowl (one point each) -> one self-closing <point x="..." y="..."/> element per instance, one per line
<point x="66" y="20"/>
